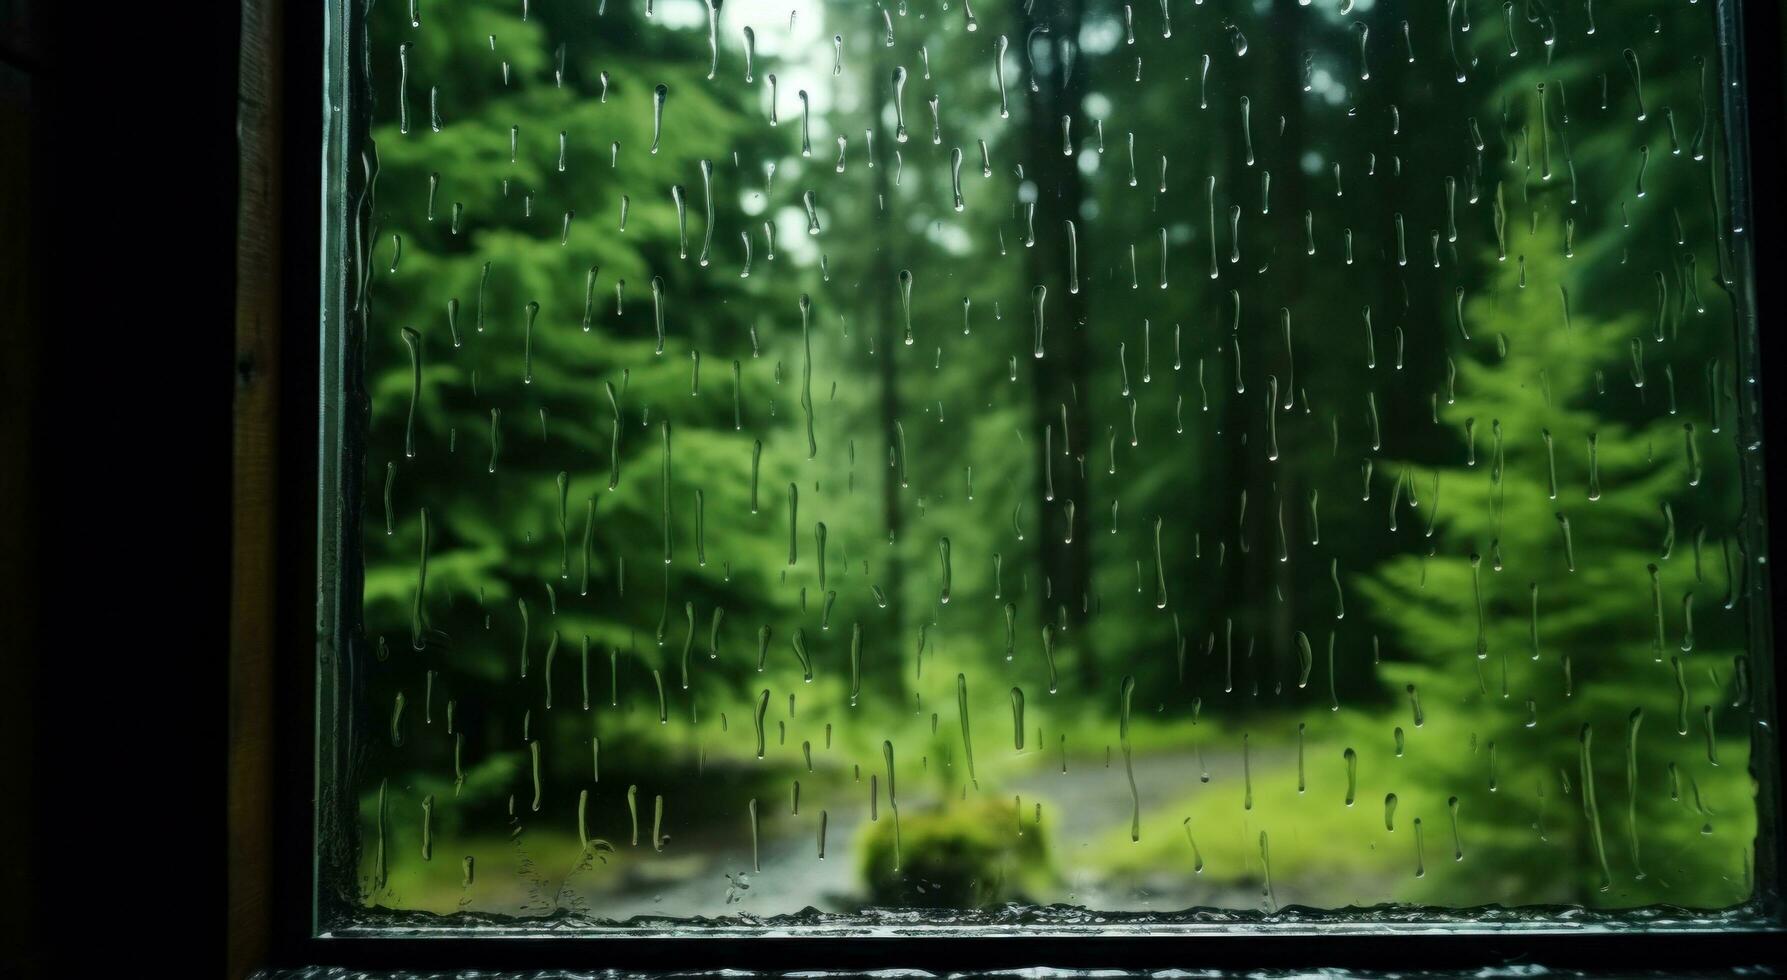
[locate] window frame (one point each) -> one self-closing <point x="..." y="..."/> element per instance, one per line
<point x="287" y="603"/>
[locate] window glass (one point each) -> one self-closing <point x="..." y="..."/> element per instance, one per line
<point x="942" y="462"/>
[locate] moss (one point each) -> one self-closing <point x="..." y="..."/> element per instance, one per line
<point x="969" y="854"/>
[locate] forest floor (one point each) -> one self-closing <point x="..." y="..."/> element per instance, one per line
<point x="1081" y="807"/>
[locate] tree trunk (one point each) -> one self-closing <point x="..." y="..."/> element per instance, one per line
<point x="1060" y="376"/>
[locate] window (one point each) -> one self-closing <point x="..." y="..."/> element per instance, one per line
<point x="1039" y="466"/>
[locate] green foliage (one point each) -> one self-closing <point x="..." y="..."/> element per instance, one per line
<point x="1558" y="648"/>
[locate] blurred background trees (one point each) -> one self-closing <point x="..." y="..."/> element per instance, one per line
<point x="725" y="457"/>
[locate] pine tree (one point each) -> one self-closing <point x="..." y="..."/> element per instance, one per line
<point x="1565" y="609"/>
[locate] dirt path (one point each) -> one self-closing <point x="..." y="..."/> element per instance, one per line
<point x="1081" y="805"/>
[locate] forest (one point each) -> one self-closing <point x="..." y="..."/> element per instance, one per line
<point x="974" y="457"/>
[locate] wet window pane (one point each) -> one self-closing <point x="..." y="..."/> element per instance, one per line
<point x="929" y="462"/>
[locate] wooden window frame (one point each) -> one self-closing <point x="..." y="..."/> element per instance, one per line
<point x="279" y="613"/>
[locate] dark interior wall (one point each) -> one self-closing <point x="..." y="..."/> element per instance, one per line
<point x="21" y="300"/>
<point x="117" y="248"/>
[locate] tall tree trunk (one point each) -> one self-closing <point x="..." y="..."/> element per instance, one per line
<point x="1060" y="376"/>
<point x="1288" y="478"/>
<point x="882" y="285"/>
<point x="1261" y="591"/>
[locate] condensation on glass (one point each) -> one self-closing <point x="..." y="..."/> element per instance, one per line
<point x="946" y="464"/>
